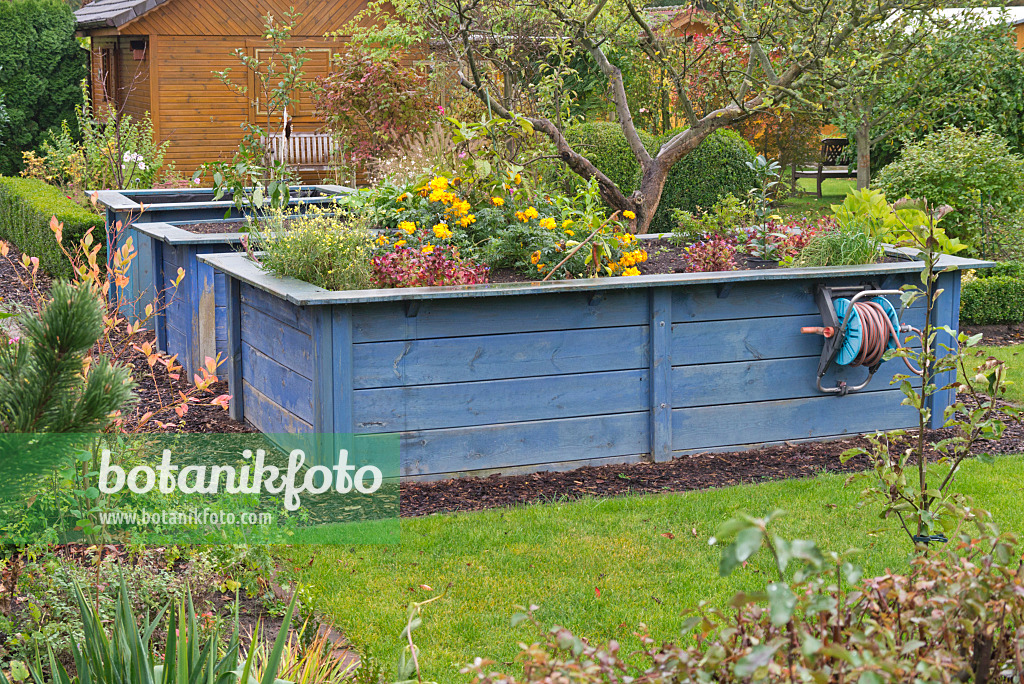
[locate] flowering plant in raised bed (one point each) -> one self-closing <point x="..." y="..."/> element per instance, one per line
<point x="408" y="267"/>
<point x="568" y="237"/>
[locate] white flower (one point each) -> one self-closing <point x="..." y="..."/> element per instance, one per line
<point x="142" y="166"/>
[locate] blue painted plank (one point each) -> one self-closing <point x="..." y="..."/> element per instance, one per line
<point x="428" y="407"/>
<point x="661" y="374"/>
<point x="463" y="450"/>
<point x="220" y="287"/>
<point x="290" y="347"/>
<point x="535" y="313"/>
<point x="176" y="343"/>
<point x="752" y="300"/>
<point x="268" y="417"/>
<point x="770" y="380"/>
<point x="772" y="421"/>
<point x="172" y="259"/>
<point x="323" y="378"/>
<point x="752" y="338"/>
<point x="280" y="385"/>
<point x="494" y="357"/>
<point x="159" y="320"/>
<point x="343" y="370"/>
<point x="946" y="311"/>
<point x="295" y="316"/>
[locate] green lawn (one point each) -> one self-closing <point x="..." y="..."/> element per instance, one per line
<point x="1013" y="355"/>
<point x="648" y="558"/>
<point x="833" y="191"/>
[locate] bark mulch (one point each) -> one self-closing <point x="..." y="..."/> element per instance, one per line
<point x="997" y="335"/>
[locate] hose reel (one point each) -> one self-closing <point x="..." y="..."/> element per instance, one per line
<point x="860" y="325"/>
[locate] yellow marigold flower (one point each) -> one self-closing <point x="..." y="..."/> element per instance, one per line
<point x="436" y="195"/>
<point x="548" y="223"/>
<point x="400" y="209"/>
<point x="400" y="243"/>
<point x="404" y="196"/>
<point x="442" y="232"/>
<point x="566" y="223"/>
<point x="497" y="201"/>
<point x="541" y="267"/>
<point x="570" y="233"/>
<point x="531" y="212"/>
<point x="612" y="267"/>
<point x="428" y="249"/>
<point x="627" y="260"/>
<point x="383" y="240"/>
<point x="631" y="272"/>
<point x="407" y="226"/>
<point x="522" y="217"/>
<point x="466" y="220"/>
<point x="518" y="179"/>
<point x="629" y="215"/>
<point x="535" y="257"/>
<point x="439" y="183"/>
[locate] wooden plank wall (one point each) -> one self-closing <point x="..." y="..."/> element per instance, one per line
<point x="558" y="381"/>
<point x="133" y="93"/>
<point x="569" y="380"/>
<point x="277" y="363"/>
<point x="184" y="312"/>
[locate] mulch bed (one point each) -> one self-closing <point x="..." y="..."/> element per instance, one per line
<point x="11" y="289"/>
<point x="997" y="335"/>
<point x="215" y="227"/>
<point x="218" y="227"/>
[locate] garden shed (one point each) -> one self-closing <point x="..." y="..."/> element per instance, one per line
<point x="160" y="56"/>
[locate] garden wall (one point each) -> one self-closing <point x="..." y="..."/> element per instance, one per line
<point x="519" y="377"/>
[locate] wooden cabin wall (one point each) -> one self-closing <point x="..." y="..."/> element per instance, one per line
<point x="131" y="94"/>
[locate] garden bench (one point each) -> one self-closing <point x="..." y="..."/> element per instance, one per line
<point x="832" y="150"/>
<point x="303" y="151"/>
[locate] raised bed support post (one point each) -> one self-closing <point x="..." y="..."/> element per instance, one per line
<point x="946" y="312"/>
<point x="234" y="360"/>
<point x="660" y="299"/>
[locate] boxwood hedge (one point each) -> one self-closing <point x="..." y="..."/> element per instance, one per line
<point x="26" y="206"/>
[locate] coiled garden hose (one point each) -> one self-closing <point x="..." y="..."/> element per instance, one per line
<point x="877" y="334"/>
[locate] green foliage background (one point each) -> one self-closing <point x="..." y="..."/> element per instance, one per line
<point x="41" y="67"/>
<point x="977" y="175"/>
<point x="718" y="167"/>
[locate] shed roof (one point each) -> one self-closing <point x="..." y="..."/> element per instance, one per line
<point x="113" y="13"/>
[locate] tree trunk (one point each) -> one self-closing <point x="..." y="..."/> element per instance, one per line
<point x="863" y="139"/>
<point x="648" y="197"/>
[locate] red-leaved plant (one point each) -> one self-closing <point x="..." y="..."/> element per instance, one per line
<point x="372" y="102"/>
<point x="718" y="254"/>
<point x="406" y="267"/>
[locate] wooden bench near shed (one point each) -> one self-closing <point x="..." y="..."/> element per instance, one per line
<point x="828" y="166"/>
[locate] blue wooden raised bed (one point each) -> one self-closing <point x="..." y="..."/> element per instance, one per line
<point x="516" y="377"/>
<point x="192" y="322"/>
<point x="177" y="206"/>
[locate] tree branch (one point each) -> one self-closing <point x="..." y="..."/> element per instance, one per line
<point x="615" y="82"/>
